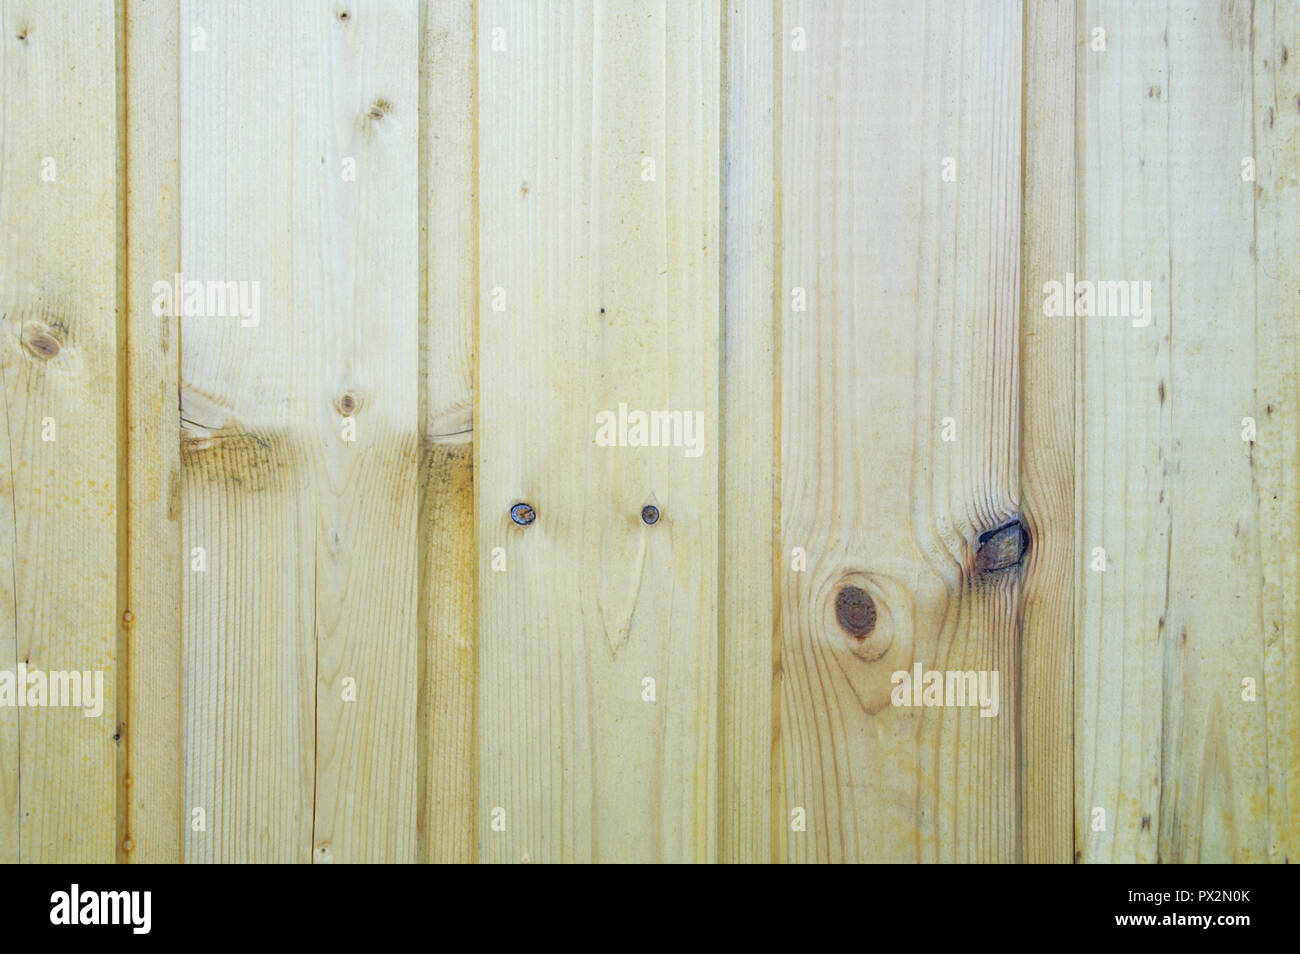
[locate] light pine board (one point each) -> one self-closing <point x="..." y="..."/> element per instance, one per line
<point x="1276" y="265"/>
<point x="1198" y="594"/>
<point x="150" y="801"/>
<point x="448" y="698"/>
<point x="611" y="294"/>
<point x="311" y="537"/>
<point x="1047" y="438"/>
<point x="748" y="434"/>
<point x="911" y="322"/>
<point x="247" y="517"/>
<point x="490" y="270"/>
<point x="58" y="380"/>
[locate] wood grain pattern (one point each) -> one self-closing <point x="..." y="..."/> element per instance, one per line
<point x="911" y="324"/>
<point x="1275" y="32"/>
<point x="312" y="532"/>
<point x="1174" y="762"/>
<point x="1047" y="437"/>
<point x="448" y="694"/>
<point x="841" y="233"/>
<point x="748" y="435"/>
<point x="151" y="799"/>
<point x="58" y="434"/>
<point x="249" y="617"/>
<point x="610" y="284"/>
<point x="362" y="283"/>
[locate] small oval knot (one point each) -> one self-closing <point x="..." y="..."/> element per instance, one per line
<point x="40" y="342"/>
<point x="856" y="611"/>
<point x="347" y="404"/>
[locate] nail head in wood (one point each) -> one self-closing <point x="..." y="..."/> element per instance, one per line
<point x="649" y="514"/>
<point x="523" y="514"/>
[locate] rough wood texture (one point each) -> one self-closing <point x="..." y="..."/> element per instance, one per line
<point x="610" y="285"/>
<point x="301" y="432"/>
<point x="1174" y="763"/>
<point x="151" y="804"/>
<point x="911" y="326"/>
<point x="1276" y="456"/>
<point x="476" y="229"/>
<point x="1047" y="437"/>
<point x="448" y="700"/>
<point x="249" y="614"/>
<point x="748" y="435"/>
<point x="58" y="435"/>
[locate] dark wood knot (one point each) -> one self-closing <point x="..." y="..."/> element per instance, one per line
<point x="856" y="611"/>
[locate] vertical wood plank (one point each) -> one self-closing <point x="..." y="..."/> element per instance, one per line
<point x="1276" y="129"/>
<point x="747" y="434"/>
<point x="611" y="293"/>
<point x="448" y="699"/>
<point x="151" y="796"/>
<point x="911" y="330"/>
<point x="247" y="509"/>
<point x="58" y="380"/>
<point x="357" y="267"/>
<point x="301" y="432"/>
<point x="1125" y="442"/>
<point x="1214" y="786"/>
<point x="1047" y="437"/>
<point x="1172" y="756"/>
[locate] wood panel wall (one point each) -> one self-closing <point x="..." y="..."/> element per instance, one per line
<point x="363" y="575"/>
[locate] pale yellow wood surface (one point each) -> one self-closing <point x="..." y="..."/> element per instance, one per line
<point x="748" y="434"/>
<point x="448" y="699"/>
<point x="249" y="616"/>
<point x="311" y="537"/>
<point x="611" y="294"/>
<point x="912" y="319"/>
<point x="1125" y="436"/>
<point x="58" y="378"/>
<point x="828" y="227"/>
<point x="1198" y="594"/>
<point x="1276" y="122"/>
<point x="1047" y="437"/>
<point x="150" y="802"/>
<point x="359" y="274"/>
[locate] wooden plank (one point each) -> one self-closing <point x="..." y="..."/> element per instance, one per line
<point x="748" y="434"/>
<point x="247" y="515"/>
<point x="1125" y="440"/>
<point x="448" y="697"/>
<point x="1199" y="593"/>
<point x="611" y="295"/>
<point x="357" y="270"/>
<point x="59" y="380"/>
<point x="1214" y="745"/>
<point x="1047" y="437"/>
<point x="911" y="330"/>
<point x="151" y="772"/>
<point x="1112" y="637"/>
<point x="301" y="440"/>
<point x="1276" y="455"/>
